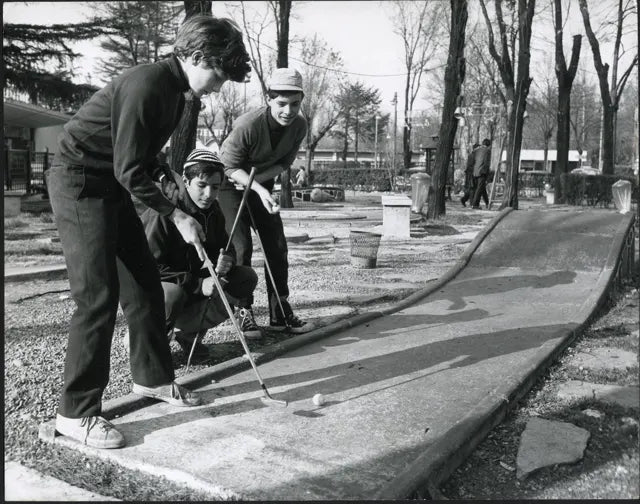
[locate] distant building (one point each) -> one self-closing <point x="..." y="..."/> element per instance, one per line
<point x="533" y="160"/>
<point x="30" y="142"/>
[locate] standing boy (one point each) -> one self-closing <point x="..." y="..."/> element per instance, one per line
<point x="107" y="153"/>
<point x="186" y="284"/>
<point x="268" y="139"/>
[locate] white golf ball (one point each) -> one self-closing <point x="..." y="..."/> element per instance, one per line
<point x="318" y="399"/>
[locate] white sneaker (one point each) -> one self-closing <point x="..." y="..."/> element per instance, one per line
<point x="93" y="431"/>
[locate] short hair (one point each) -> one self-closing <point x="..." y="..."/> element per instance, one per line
<point x="202" y="162"/>
<point x="217" y="38"/>
<point x="486" y="142"/>
<point x="272" y="93"/>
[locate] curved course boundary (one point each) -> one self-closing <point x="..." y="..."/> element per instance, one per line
<point x="131" y="402"/>
<point x="440" y="459"/>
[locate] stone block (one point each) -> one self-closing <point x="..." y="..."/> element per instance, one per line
<point x="396" y="215"/>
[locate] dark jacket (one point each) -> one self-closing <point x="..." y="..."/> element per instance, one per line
<point x="178" y="261"/>
<point x="482" y="157"/>
<point x="123" y="127"/>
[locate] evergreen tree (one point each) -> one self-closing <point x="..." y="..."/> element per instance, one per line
<point x="142" y="32"/>
<point x="38" y="59"/>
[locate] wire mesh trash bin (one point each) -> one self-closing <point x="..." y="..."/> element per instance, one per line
<point x="364" y="248"/>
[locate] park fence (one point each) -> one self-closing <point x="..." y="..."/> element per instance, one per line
<point x="24" y="170"/>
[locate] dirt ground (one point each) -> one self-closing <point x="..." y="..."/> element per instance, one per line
<point x="325" y="287"/>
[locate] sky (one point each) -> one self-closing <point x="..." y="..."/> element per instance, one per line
<point x="361" y="30"/>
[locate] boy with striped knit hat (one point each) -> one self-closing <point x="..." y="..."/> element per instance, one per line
<point x="186" y="284"/>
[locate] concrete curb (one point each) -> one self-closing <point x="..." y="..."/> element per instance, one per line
<point x="437" y="463"/>
<point x="130" y="402"/>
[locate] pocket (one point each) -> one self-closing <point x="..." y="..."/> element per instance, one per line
<point x="65" y="181"/>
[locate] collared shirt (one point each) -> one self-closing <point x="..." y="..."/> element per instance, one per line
<point x="124" y="126"/>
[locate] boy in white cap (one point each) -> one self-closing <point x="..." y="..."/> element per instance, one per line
<point x="186" y="284"/>
<point x="268" y="139"/>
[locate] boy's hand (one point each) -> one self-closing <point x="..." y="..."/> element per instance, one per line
<point x="225" y="263"/>
<point x="268" y="202"/>
<point x="190" y="229"/>
<point x="207" y="286"/>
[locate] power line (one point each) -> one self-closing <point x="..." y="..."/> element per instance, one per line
<point x="342" y="71"/>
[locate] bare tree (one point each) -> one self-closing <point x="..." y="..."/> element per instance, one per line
<point x="585" y="118"/>
<point x="516" y="84"/>
<point x="610" y="94"/>
<point x="565" y="83"/>
<point x="542" y="115"/>
<point x="319" y="107"/>
<point x="256" y="24"/>
<point x="418" y="23"/>
<point x="221" y="110"/>
<point x="454" y="77"/>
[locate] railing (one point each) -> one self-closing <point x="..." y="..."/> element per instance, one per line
<point x="24" y="170"/>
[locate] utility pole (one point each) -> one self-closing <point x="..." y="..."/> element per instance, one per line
<point x="394" y="102"/>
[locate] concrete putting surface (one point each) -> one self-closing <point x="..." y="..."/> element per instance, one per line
<point x="407" y="393"/>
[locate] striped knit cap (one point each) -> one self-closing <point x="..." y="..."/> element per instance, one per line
<point x="201" y="156"/>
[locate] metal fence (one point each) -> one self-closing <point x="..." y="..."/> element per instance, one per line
<point x="24" y="170"/>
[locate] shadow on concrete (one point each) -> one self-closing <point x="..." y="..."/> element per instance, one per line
<point x="455" y="353"/>
<point x="457" y="290"/>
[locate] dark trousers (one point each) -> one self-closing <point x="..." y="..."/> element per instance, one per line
<point x="271" y="233"/>
<point x="481" y="191"/>
<point x="186" y="311"/>
<point x="469" y="188"/>
<point x="108" y="259"/>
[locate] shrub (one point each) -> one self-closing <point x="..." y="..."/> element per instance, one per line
<point x="365" y="179"/>
<point x="580" y="189"/>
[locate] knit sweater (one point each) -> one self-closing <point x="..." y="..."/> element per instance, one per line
<point x="249" y="145"/>
<point x="124" y="126"/>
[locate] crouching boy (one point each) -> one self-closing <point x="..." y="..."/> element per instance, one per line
<point x="186" y="284"/>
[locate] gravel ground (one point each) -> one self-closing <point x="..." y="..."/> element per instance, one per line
<point x="37" y="315"/>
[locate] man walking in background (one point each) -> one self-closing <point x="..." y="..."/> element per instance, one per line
<point x="482" y="165"/>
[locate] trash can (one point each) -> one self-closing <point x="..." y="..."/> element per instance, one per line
<point x="364" y="248"/>
<point x="550" y="193"/>
<point x="622" y="195"/>
<point x="420" y="183"/>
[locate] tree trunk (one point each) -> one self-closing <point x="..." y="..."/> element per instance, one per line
<point x="608" y="119"/>
<point x="355" y="140"/>
<point x="406" y="148"/>
<point x="309" y="152"/>
<point x="284" y="8"/>
<point x="453" y="78"/>
<point x="562" y="140"/>
<point x="183" y="139"/>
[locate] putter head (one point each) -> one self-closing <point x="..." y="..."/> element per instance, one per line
<point x="270" y="401"/>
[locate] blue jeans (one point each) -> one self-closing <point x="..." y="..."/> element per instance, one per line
<point x="108" y="259"/>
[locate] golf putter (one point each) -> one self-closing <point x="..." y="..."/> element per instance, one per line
<point x="266" y="262"/>
<point x="245" y="194"/>
<point x="267" y="399"/>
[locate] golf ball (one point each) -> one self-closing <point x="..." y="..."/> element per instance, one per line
<point x="318" y="399"/>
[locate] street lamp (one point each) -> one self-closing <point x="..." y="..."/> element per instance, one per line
<point x="375" y="159"/>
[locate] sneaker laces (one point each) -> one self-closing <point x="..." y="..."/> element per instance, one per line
<point x="247" y="321"/>
<point x="95" y="421"/>
<point x="180" y="392"/>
